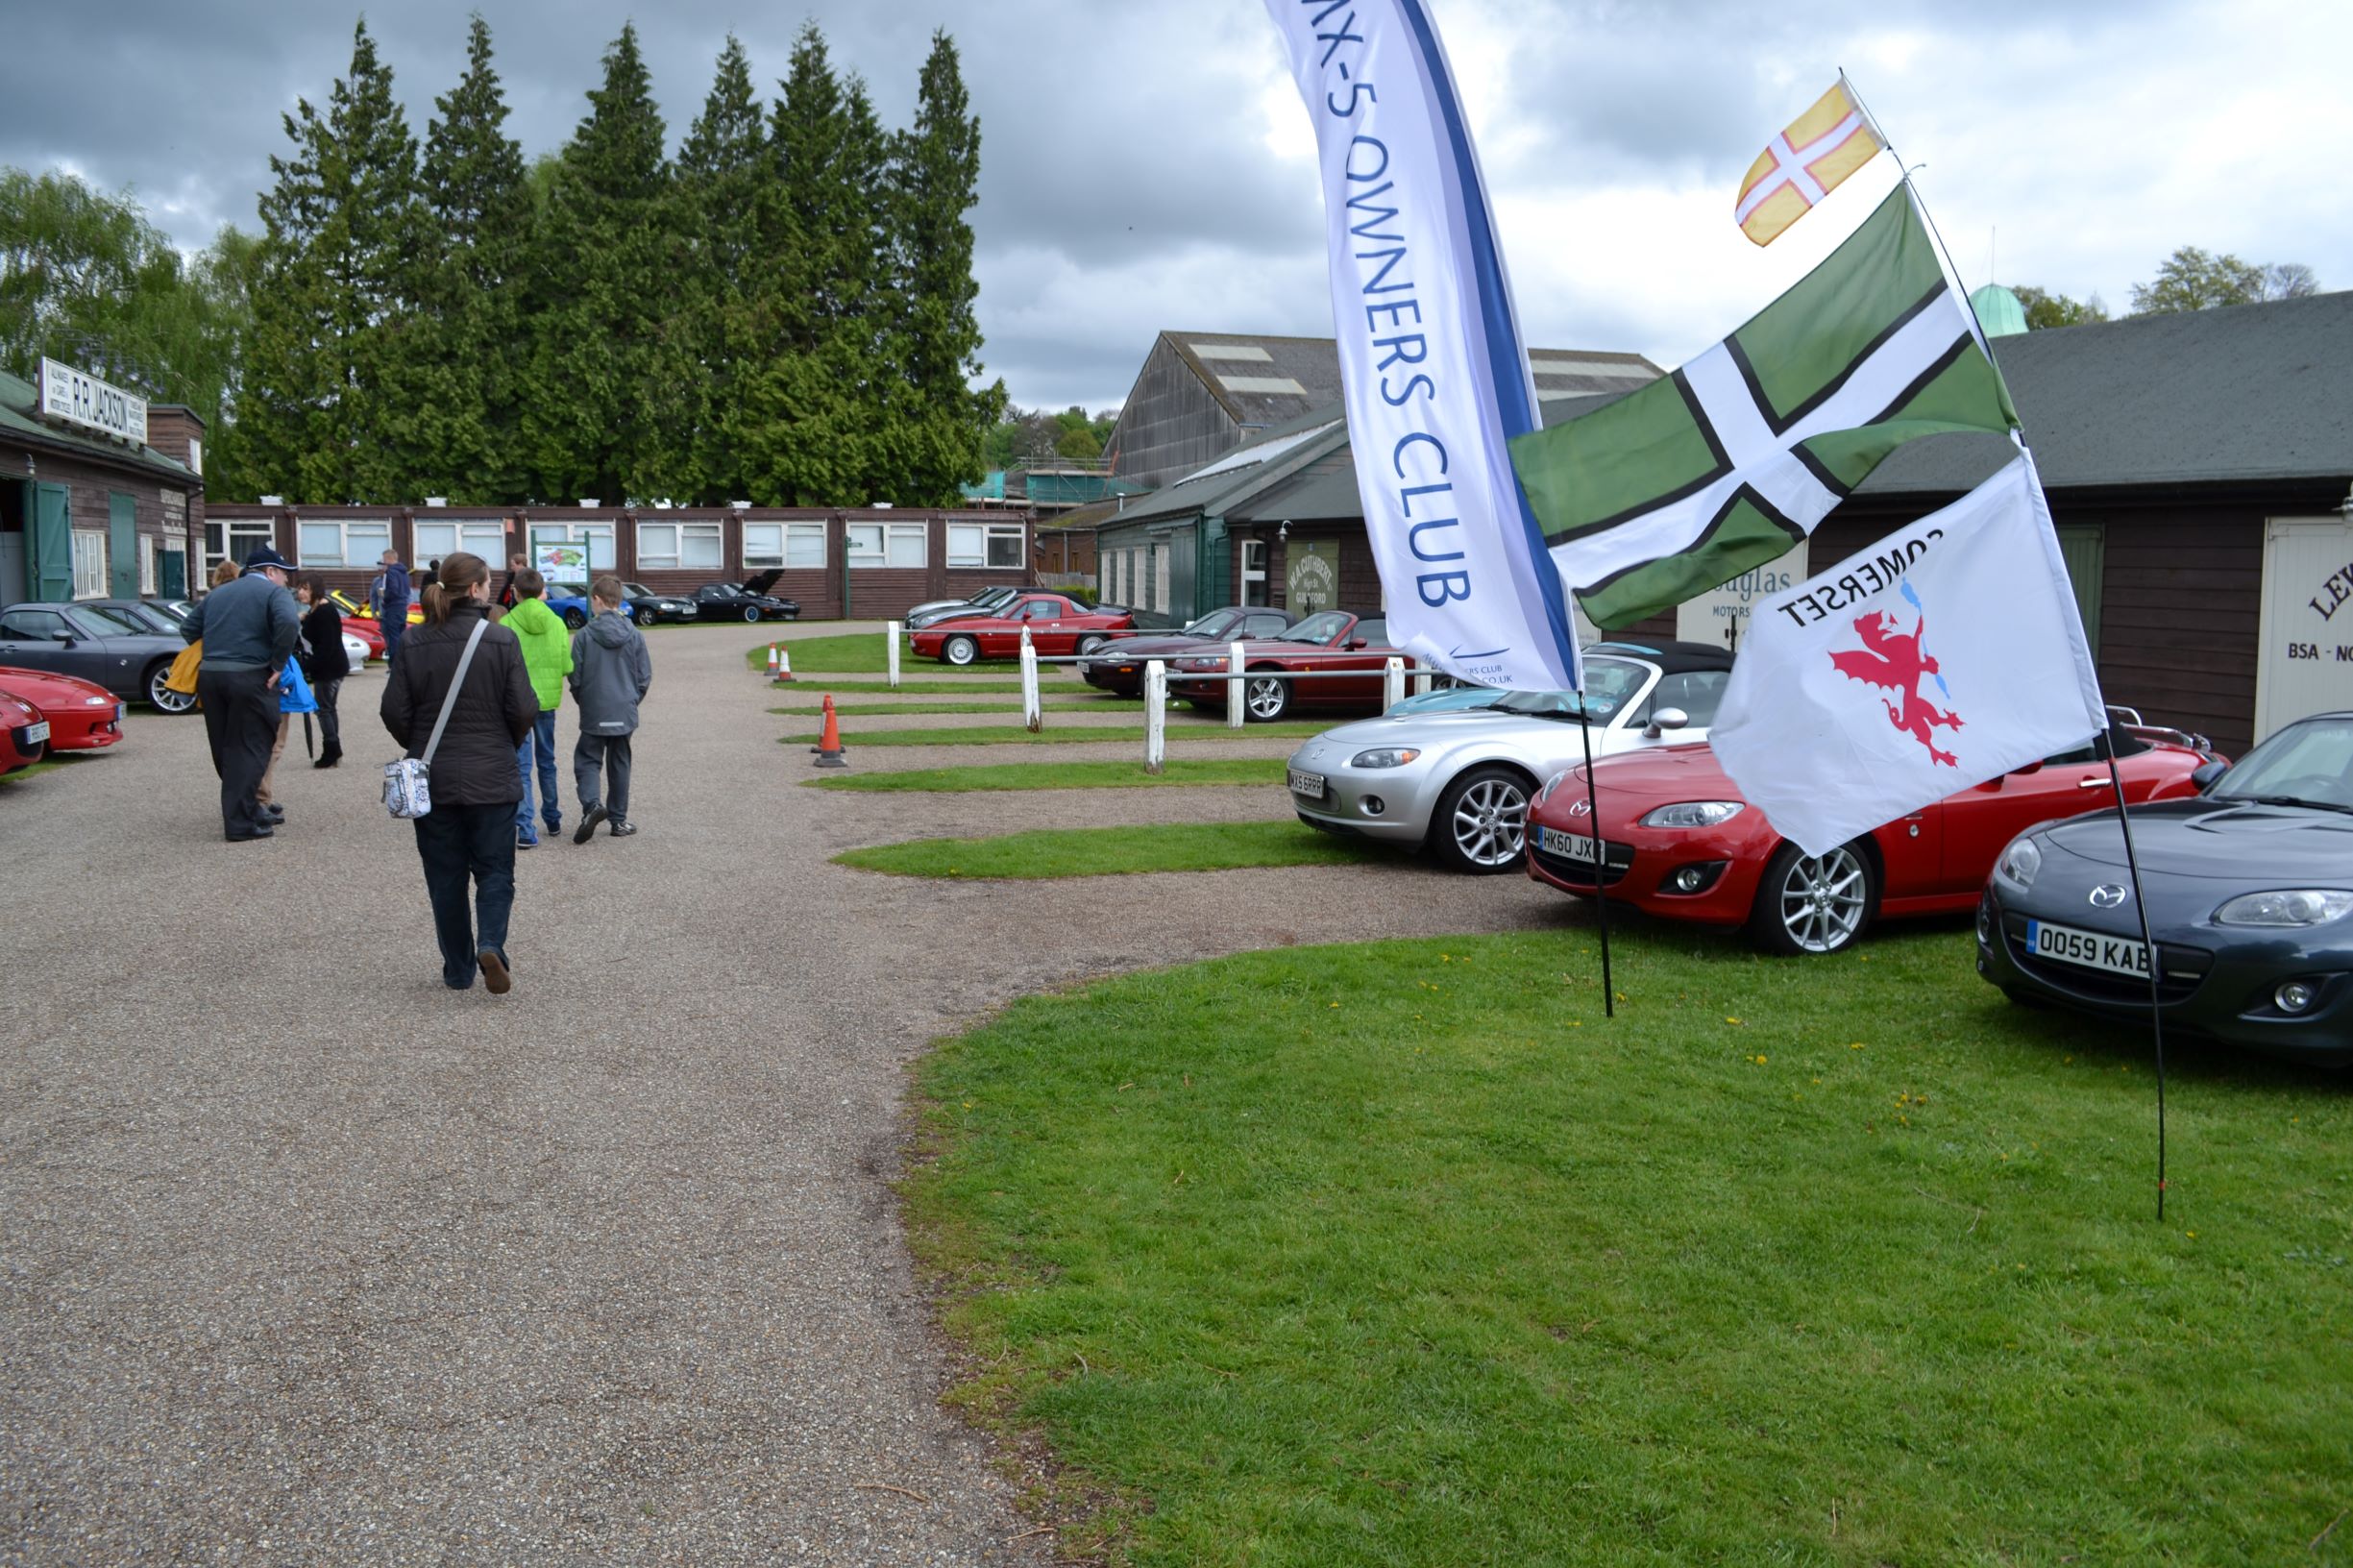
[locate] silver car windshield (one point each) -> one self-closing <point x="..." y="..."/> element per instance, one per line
<point x="1610" y="685"/>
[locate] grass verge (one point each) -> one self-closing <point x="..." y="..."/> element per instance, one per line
<point x="921" y="687"/>
<point x="1046" y="853"/>
<point x="1399" y="1252"/>
<point x="48" y="764"/>
<point x="856" y="710"/>
<point x="1060" y="776"/>
<point x="1069" y="735"/>
<point x="852" y="652"/>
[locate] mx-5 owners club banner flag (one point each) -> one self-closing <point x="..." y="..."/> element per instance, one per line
<point x="1432" y="370"/>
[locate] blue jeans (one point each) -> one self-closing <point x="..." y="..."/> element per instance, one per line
<point x="540" y="744"/>
<point x="466" y="846"/>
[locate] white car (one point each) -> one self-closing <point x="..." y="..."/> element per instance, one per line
<point x="1460" y="781"/>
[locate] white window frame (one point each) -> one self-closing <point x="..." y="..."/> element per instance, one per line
<point x="253" y="530"/>
<point x="150" y="548"/>
<point x="798" y="546"/>
<point x="661" y="546"/>
<point x="1253" y="574"/>
<point x="599" y="537"/>
<point x="1163" y="558"/>
<point x="89" y="550"/>
<point x="970" y="545"/>
<point x="758" y="555"/>
<point x="483" y="536"/>
<point x="375" y="532"/>
<point x="886" y="540"/>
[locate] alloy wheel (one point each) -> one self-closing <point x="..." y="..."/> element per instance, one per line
<point x="1824" y="899"/>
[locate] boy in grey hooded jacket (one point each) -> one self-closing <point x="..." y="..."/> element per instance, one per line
<point x="611" y="672"/>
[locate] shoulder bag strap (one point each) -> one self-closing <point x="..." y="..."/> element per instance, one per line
<point x="455" y="681"/>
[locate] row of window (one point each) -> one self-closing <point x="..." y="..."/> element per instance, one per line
<point x="362" y="542"/>
<point x="91" y="577"/>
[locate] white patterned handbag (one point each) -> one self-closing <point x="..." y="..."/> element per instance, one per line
<point x="409" y="783"/>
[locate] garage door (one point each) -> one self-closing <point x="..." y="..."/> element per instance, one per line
<point x="2306" y="660"/>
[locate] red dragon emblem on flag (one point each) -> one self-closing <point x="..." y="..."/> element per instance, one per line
<point x="1895" y="660"/>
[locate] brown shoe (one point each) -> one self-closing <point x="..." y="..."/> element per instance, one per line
<point x="495" y="978"/>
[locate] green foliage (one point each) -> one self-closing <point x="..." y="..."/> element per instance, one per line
<point x="1033" y="437"/>
<point x="1111" y="851"/>
<point x="729" y="227"/>
<point x="2045" y="309"/>
<point x="854" y="652"/>
<point x="2191" y="279"/>
<point x="1177" y="772"/>
<point x="1079" y="443"/>
<point x="1402" y="1252"/>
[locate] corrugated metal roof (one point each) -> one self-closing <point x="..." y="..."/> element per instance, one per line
<point x="19" y="403"/>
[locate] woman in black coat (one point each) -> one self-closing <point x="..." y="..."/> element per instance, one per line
<point x="324" y="661"/>
<point x="469" y="833"/>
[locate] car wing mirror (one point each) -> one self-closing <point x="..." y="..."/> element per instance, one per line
<point x="1355" y="642"/>
<point x="2206" y="775"/>
<point x="1664" y="719"/>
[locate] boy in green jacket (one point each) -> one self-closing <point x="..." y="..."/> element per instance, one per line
<point x="547" y="653"/>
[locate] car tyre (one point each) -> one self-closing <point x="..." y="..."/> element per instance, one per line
<point x="161" y="696"/>
<point x="1809" y="905"/>
<point x="1265" y="700"/>
<point x="1091" y="644"/>
<point x="752" y="613"/>
<point x="1481" y="824"/>
<point x="575" y="620"/>
<point x="960" y="651"/>
<point x="645" y="617"/>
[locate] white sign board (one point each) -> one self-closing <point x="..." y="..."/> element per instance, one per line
<point x="2304" y="663"/>
<point x="1720" y="615"/>
<point x="72" y="398"/>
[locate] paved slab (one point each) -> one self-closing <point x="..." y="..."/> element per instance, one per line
<point x="308" y="1259"/>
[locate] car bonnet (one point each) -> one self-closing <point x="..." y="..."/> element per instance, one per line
<point x="2233" y="841"/>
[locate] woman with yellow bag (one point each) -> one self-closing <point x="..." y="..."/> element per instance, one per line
<point x="182" y="676"/>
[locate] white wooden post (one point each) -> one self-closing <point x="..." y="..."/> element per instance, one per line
<point x="1033" y="712"/>
<point x="1424" y="679"/>
<point x="1237" y="712"/>
<point x="1392" y="683"/>
<point x="1155" y="715"/>
<point x="890" y="638"/>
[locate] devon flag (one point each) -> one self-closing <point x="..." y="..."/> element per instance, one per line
<point x="1946" y="654"/>
<point x="1723" y="466"/>
<point x="1432" y="370"/>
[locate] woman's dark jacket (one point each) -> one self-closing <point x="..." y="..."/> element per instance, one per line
<point x="323" y="658"/>
<point x="496" y="708"/>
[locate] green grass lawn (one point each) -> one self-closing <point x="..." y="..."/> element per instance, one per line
<point x="1109" y="852"/>
<point x="854" y="652"/>
<point x="1061" y="776"/>
<point x="1401" y="1253"/>
<point x="55" y="761"/>
<point x="1066" y="735"/>
<point x="923" y="687"/>
<point x="854" y="709"/>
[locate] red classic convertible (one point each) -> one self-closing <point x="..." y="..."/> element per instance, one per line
<point x="1682" y="843"/>
<point x="82" y="715"/>
<point x="1058" y="627"/>
<point x="1328" y="640"/>
<point x="24" y="734"/>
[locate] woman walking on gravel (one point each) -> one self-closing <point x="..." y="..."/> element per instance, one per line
<point x="325" y="663"/>
<point x="468" y="836"/>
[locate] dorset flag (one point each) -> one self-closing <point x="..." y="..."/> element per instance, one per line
<point x="1432" y="370"/>
<point x="1723" y="466"/>
<point x="1946" y="654"/>
<point x="1804" y="163"/>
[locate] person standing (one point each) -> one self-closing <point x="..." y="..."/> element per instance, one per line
<point x="248" y="628"/>
<point x="388" y="603"/>
<point x="509" y="592"/>
<point x="611" y="673"/>
<point x="547" y="653"/>
<point x="325" y="663"/>
<point x="468" y="836"/>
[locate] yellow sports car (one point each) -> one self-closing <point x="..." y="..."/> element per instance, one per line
<point x="356" y="609"/>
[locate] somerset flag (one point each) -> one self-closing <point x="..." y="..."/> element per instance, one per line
<point x="1946" y="654"/>
<point x="1432" y="370"/>
<point x="1723" y="466"/>
<point x="1804" y="163"/>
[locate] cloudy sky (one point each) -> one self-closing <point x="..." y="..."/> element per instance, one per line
<point x="1147" y="164"/>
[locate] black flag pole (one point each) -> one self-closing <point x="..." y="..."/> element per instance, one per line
<point x="1601" y="861"/>
<point x="2123" y="815"/>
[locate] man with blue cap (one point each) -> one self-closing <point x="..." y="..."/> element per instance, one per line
<point x="249" y="628"/>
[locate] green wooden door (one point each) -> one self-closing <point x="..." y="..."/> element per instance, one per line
<point x="2084" y="548"/>
<point x="122" y="547"/>
<point x="173" y="577"/>
<point x="52" y="572"/>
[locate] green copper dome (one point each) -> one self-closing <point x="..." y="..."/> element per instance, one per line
<point x="1998" y="311"/>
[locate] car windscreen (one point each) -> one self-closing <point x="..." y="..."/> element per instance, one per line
<point x="1215" y="623"/>
<point x="111" y="621"/>
<point x="2310" y="762"/>
<point x="1320" y="629"/>
<point x="640" y="590"/>
<point x="1609" y="684"/>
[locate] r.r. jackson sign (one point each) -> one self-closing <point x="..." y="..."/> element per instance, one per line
<point x="71" y="397"/>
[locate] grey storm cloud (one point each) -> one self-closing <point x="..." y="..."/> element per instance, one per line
<point x="1141" y="167"/>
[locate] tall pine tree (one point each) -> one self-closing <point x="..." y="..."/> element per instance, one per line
<point x="940" y="422"/>
<point x="722" y="180"/>
<point x="469" y="373"/>
<point x="602" y="415"/>
<point x="320" y="409"/>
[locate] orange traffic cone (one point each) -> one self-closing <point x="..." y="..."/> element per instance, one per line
<point x="772" y="661"/>
<point x="782" y="675"/>
<point x="829" y="738"/>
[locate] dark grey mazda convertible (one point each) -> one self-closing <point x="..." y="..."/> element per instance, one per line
<point x="2251" y="899"/>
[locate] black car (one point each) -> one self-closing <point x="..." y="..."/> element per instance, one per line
<point x="1120" y="668"/>
<point x="117" y="647"/>
<point x="2251" y="900"/>
<point x="748" y="600"/>
<point x="648" y="608"/>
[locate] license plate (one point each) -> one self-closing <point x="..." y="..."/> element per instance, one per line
<point x="2087" y="949"/>
<point x="1568" y="846"/>
<point x="1311" y="785"/>
<point x="34" y="734"/>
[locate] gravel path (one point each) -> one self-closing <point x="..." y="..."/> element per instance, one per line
<point x="308" y="1259"/>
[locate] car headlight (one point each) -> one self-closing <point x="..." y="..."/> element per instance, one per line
<point x="2019" y="863"/>
<point x="97" y="702"/>
<point x="2287" y="906"/>
<point x="1550" y="785"/>
<point x="1384" y="756"/>
<point x="1694" y="813"/>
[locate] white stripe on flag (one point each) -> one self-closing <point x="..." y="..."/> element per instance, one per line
<point x="1790" y="167"/>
